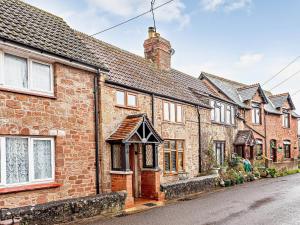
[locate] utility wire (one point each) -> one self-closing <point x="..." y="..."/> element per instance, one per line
<point x="285" y="80"/>
<point x="296" y="92"/>
<point x="153" y="16"/>
<point x="133" y="18"/>
<point x="276" y="75"/>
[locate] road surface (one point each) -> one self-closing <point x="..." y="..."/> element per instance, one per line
<point x="265" y="202"/>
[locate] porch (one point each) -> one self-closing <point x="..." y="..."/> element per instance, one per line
<point x="134" y="160"/>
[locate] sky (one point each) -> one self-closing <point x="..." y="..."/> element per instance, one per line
<point x="245" y="40"/>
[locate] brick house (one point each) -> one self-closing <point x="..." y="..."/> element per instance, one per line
<point x="267" y="125"/>
<point x="47" y="119"/>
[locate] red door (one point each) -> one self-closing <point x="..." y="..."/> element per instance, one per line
<point x="132" y="167"/>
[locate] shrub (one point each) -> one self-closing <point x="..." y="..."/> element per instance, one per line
<point x="290" y="172"/>
<point x="272" y="172"/>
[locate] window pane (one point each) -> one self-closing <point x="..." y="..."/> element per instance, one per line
<point x="179" y="113"/>
<point x="257" y="116"/>
<point x="120" y="98"/>
<point x="131" y="100"/>
<point x="166" y="111"/>
<point x="180" y="145"/>
<point x="17" y="161"/>
<point x="117" y="157"/>
<point x="253" y="116"/>
<point x="15" y="71"/>
<point x="173" y="145"/>
<point x="228" y="114"/>
<point x="42" y="159"/>
<point x="173" y="159"/>
<point x="172" y="112"/>
<point x="212" y="112"/>
<point x="218" y="114"/>
<point x="180" y="161"/>
<point x="166" y="145"/>
<point x="167" y="162"/>
<point x="40" y="77"/>
<point x="149" y="155"/>
<point x="222" y="113"/>
<point x="232" y="115"/>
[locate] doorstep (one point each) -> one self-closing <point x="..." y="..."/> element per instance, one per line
<point x="142" y="204"/>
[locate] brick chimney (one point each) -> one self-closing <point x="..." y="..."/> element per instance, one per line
<point x="158" y="49"/>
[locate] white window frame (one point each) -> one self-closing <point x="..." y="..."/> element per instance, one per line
<point x="31" y="179"/>
<point x="176" y="106"/>
<point x="29" y="69"/>
<point x="220" y="111"/>
<point x="126" y="94"/>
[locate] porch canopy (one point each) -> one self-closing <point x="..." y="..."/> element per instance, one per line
<point x="134" y="129"/>
<point x="244" y="137"/>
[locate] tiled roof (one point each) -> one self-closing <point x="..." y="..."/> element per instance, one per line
<point x="239" y="93"/>
<point x="244" y="137"/>
<point x="33" y="27"/>
<point x="129" y="126"/>
<point x="136" y="72"/>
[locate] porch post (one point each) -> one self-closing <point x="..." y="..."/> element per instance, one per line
<point x="126" y="158"/>
<point x="155" y="156"/>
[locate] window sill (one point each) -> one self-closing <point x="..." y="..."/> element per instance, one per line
<point x="127" y="107"/>
<point x="31" y="187"/>
<point x="31" y="93"/>
<point x="173" y="123"/>
<point x="223" y="124"/>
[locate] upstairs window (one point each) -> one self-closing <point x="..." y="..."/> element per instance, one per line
<point x="25" y="74"/>
<point x="222" y="113"/>
<point x="256" y="113"/>
<point x="172" y="112"/>
<point x="126" y="99"/>
<point x="286" y="119"/>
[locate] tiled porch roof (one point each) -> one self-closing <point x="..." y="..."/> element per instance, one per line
<point x="129" y="126"/>
<point x="244" y="137"/>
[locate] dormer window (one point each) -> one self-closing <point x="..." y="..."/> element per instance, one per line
<point x="286" y="119"/>
<point x="24" y="74"/>
<point x="256" y="113"/>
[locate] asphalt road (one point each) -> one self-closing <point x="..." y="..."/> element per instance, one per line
<point x="269" y="201"/>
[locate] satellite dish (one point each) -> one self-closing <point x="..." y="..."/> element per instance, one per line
<point x="172" y="51"/>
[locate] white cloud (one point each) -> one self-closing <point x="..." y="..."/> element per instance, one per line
<point x="226" y="5"/>
<point x="173" y="11"/>
<point x="247" y="60"/>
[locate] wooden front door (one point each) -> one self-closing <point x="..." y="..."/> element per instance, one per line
<point x="134" y="167"/>
<point x="274" y="154"/>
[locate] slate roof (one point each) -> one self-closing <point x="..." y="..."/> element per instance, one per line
<point x="33" y="27"/>
<point x="136" y="72"/>
<point x="239" y="93"/>
<point x="278" y="100"/>
<point x="228" y="87"/>
<point x="244" y="137"/>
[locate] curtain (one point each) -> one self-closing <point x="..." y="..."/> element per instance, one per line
<point x="15" y="71"/>
<point x="42" y="159"/>
<point x="17" y="164"/>
<point x="40" y="77"/>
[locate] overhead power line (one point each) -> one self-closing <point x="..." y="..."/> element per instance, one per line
<point x="284" y="68"/>
<point x="133" y="18"/>
<point x="285" y="80"/>
<point x="296" y="92"/>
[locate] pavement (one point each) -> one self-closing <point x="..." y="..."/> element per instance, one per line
<point x="264" y="202"/>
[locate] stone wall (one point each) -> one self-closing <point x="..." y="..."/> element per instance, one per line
<point x="68" y="210"/>
<point x="113" y="115"/>
<point x="69" y="118"/>
<point x="181" y="189"/>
